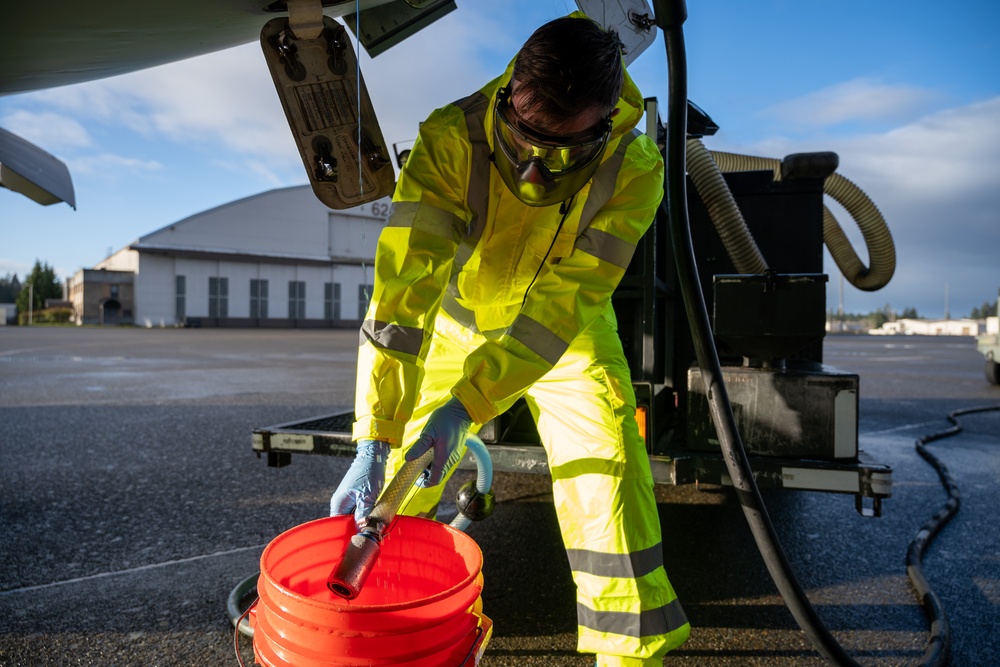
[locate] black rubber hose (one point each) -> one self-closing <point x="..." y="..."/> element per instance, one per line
<point x="939" y="643"/>
<point x="240" y="617"/>
<point x="670" y="16"/>
<point x="235" y="608"/>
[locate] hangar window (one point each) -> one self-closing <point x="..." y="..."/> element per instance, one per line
<point x="364" y="296"/>
<point x="218" y="297"/>
<point x="258" y="298"/>
<point x="331" y="301"/>
<point x="180" y="294"/>
<point x="296" y="299"/>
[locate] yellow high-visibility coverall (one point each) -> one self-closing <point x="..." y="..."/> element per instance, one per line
<point x="480" y="296"/>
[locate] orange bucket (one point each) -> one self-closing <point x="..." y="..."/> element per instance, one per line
<point x="421" y="605"/>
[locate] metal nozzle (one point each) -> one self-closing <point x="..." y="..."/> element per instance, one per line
<point x="350" y="574"/>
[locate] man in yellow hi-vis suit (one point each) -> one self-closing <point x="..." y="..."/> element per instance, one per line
<point x="514" y="219"/>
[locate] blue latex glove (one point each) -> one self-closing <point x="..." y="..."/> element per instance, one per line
<point x="363" y="482"/>
<point x="445" y="432"/>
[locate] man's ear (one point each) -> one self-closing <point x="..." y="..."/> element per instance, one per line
<point x="614" y="113"/>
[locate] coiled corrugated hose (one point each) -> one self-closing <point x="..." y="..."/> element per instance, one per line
<point x="706" y="168"/>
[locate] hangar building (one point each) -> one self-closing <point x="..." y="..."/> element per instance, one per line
<point x="277" y="259"/>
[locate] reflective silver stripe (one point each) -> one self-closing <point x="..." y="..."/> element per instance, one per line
<point x="466" y="317"/>
<point x="608" y="247"/>
<point x="586" y="466"/>
<point x="538" y="339"/>
<point x="464" y="254"/>
<point x="478" y="196"/>
<point x="631" y="565"/>
<point x="602" y="186"/>
<point x="452" y="287"/>
<point x="392" y="336"/>
<point x="648" y="623"/>
<point x="458" y="312"/>
<point x="426" y="219"/>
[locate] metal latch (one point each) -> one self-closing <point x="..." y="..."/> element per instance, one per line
<point x="327" y="106"/>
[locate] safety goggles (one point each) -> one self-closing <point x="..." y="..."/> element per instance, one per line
<point x="542" y="169"/>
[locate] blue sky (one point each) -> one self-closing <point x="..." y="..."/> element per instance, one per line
<point x="906" y="92"/>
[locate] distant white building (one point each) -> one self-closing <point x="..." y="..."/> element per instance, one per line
<point x="280" y="259"/>
<point x="908" y="327"/>
<point x="846" y="326"/>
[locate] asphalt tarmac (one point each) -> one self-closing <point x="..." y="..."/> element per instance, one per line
<point x="131" y="505"/>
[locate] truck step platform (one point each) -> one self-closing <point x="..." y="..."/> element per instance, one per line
<point x="867" y="480"/>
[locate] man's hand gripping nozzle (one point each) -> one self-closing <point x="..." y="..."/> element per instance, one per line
<point x="350" y="574"/>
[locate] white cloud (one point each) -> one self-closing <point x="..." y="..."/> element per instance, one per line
<point x="52" y="131"/>
<point x="16" y="267"/>
<point x="434" y="67"/>
<point x="858" y="99"/>
<point x="226" y="101"/>
<point x="262" y="170"/>
<point x="950" y="153"/>
<point x="106" y="163"/>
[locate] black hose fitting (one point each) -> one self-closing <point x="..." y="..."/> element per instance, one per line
<point x="472" y="504"/>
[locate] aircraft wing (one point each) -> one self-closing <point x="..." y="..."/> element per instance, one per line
<point x="50" y="43"/>
<point x="59" y="42"/>
<point x="54" y="43"/>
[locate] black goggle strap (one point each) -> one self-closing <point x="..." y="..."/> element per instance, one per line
<point x="595" y="134"/>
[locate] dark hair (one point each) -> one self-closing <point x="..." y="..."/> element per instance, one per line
<point x="570" y="65"/>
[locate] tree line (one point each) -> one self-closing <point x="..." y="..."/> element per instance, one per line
<point x="45" y="285"/>
<point x="986" y="310"/>
<point x="39" y="285"/>
<point x="887" y="313"/>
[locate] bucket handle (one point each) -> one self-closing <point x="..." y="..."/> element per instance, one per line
<point x="237" y="632"/>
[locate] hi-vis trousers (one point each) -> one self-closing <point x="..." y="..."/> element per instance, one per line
<point x="627" y="611"/>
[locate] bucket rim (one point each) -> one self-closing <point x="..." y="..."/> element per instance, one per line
<point x="349" y="606"/>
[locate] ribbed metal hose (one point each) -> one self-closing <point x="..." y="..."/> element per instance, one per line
<point x="722" y="209"/>
<point x="706" y="168"/>
<point x="395" y="492"/>
<point x="881" y="251"/>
